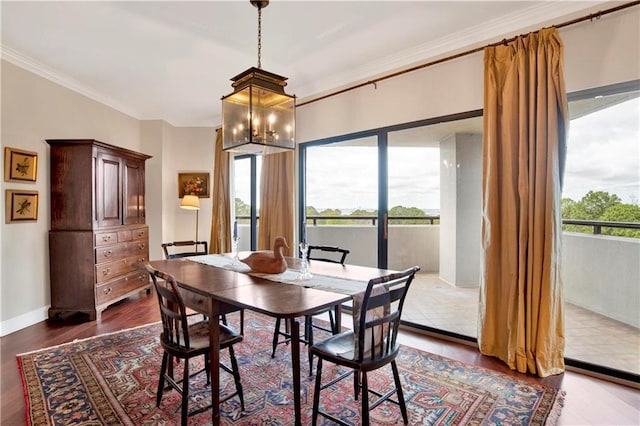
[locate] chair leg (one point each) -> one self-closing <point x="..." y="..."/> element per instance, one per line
<point x="207" y="367"/>
<point x="242" y="322"/>
<point x="316" y="395"/>
<point x="163" y="370"/>
<point x="365" y="400"/>
<point x="236" y="376"/>
<point x="356" y="384"/>
<point x="185" y="393"/>
<point x="401" y="402"/>
<point x="308" y="335"/>
<point x="276" y="335"/>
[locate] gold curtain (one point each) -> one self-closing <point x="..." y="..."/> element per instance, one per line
<point x="525" y="120"/>
<point x="220" y="241"/>
<point x="276" y="201"/>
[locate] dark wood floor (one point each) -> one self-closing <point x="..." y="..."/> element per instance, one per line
<point x="589" y="401"/>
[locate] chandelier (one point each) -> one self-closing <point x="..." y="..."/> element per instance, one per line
<point x="258" y="117"/>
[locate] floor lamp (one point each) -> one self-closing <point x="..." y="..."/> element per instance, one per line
<point x="191" y="202"/>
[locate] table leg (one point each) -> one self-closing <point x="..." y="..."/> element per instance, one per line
<point x="214" y="365"/>
<point x="295" y="361"/>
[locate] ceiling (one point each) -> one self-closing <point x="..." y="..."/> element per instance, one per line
<point x="172" y="61"/>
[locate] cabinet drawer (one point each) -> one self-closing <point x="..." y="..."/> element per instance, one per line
<point x="121" y="251"/>
<point x="124" y="236"/>
<point x="140" y="234"/>
<point x="105" y="238"/>
<point x="121" y="286"/>
<point x="110" y="270"/>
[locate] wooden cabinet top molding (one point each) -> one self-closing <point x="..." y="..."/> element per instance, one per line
<point x="96" y="143"/>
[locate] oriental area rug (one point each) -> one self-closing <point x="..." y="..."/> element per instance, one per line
<point x="112" y="379"/>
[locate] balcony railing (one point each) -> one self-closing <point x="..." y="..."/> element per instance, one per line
<point x="595" y="225"/>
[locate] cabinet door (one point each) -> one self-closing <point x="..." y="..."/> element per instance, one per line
<point x="108" y="189"/>
<point x="133" y="191"/>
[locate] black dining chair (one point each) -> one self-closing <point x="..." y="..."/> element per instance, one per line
<point x="331" y="254"/>
<point x="371" y="345"/>
<point x="177" y="249"/>
<point x="184" y="340"/>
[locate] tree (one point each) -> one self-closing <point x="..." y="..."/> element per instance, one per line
<point x="622" y="213"/>
<point x="242" y="209"/>
<point x="596" y="203"/>
<point x="601" y="206"/>
<point x="401" y="211"/>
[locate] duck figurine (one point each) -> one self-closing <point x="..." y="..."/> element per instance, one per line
<point x="268" y="262"/>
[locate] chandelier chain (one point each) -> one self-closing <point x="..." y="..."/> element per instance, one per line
<point x="259" y="38"/>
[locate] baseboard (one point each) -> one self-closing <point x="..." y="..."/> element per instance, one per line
<point x="22" y="321"/>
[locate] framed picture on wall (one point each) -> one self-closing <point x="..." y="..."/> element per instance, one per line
<point x="193" y="184"/>
<point x="21" y="206"/>
<point x="20" y="165"/>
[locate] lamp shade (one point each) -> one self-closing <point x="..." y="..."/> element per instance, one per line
<point x="190" y="202"/>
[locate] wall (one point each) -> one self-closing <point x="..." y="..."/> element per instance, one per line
<point x="609" y="283"/>
<point x="460" y="209"/>
<point x="186" y="149"/>
<point x="35" y="109"/>
<point x="599" y="52"/>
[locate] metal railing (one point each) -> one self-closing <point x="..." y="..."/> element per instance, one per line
<point x="596" y="225"/>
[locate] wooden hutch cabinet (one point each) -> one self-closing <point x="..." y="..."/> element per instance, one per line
<point x="98" y="229"/>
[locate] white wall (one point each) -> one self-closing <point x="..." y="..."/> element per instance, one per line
<point x="35" y="109"/>
<point x="609" y="285"/>
<point x="460" y="209"/>
<point x="604" y="51"/>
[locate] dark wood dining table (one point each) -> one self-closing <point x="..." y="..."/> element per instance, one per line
<point x="215" y="291"/>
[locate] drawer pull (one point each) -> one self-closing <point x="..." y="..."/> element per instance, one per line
<point x="106" y="271"/>
<point x="108" y="253"/>
<point x="141" y="246"/>
<point x="107" y="290"/>
<point x="106" y="237"/>
<point x="141" y="260"/>
<point x="140" y="233"/>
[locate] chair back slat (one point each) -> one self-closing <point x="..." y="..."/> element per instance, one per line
<point x="173" y="313"/>
<point x="195" y="248"/>
<point x="380" y="314"/>
<point x="317" y="252"/>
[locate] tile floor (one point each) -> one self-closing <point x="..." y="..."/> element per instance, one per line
<point x="590" y="337"/>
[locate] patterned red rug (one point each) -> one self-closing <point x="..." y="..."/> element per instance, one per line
<point x="112" y="379"/>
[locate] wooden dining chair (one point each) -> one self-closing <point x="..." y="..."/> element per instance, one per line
<point x="331" y="254"/>
<point x="184" y="340"/>
<point x="371" y="345"/>
<point x="178" y="249"/>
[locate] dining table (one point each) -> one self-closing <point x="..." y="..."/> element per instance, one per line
<point x="215" y="285"/>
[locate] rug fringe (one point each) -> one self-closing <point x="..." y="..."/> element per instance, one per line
<point x="556" y="408"/>
<point x="85" y="339"/>
<point x="25" y="393"/>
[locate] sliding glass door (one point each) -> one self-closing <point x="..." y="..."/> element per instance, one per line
<point x="342" y="197"/>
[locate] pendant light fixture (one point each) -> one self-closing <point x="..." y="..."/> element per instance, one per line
<point x="258" y="117"/>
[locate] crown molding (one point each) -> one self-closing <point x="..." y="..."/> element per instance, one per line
<point x="44" y="71"/>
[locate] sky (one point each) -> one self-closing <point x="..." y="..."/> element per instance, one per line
<point x="603" y="155"/>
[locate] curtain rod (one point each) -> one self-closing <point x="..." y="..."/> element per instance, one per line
<point x="589" y="17"/>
